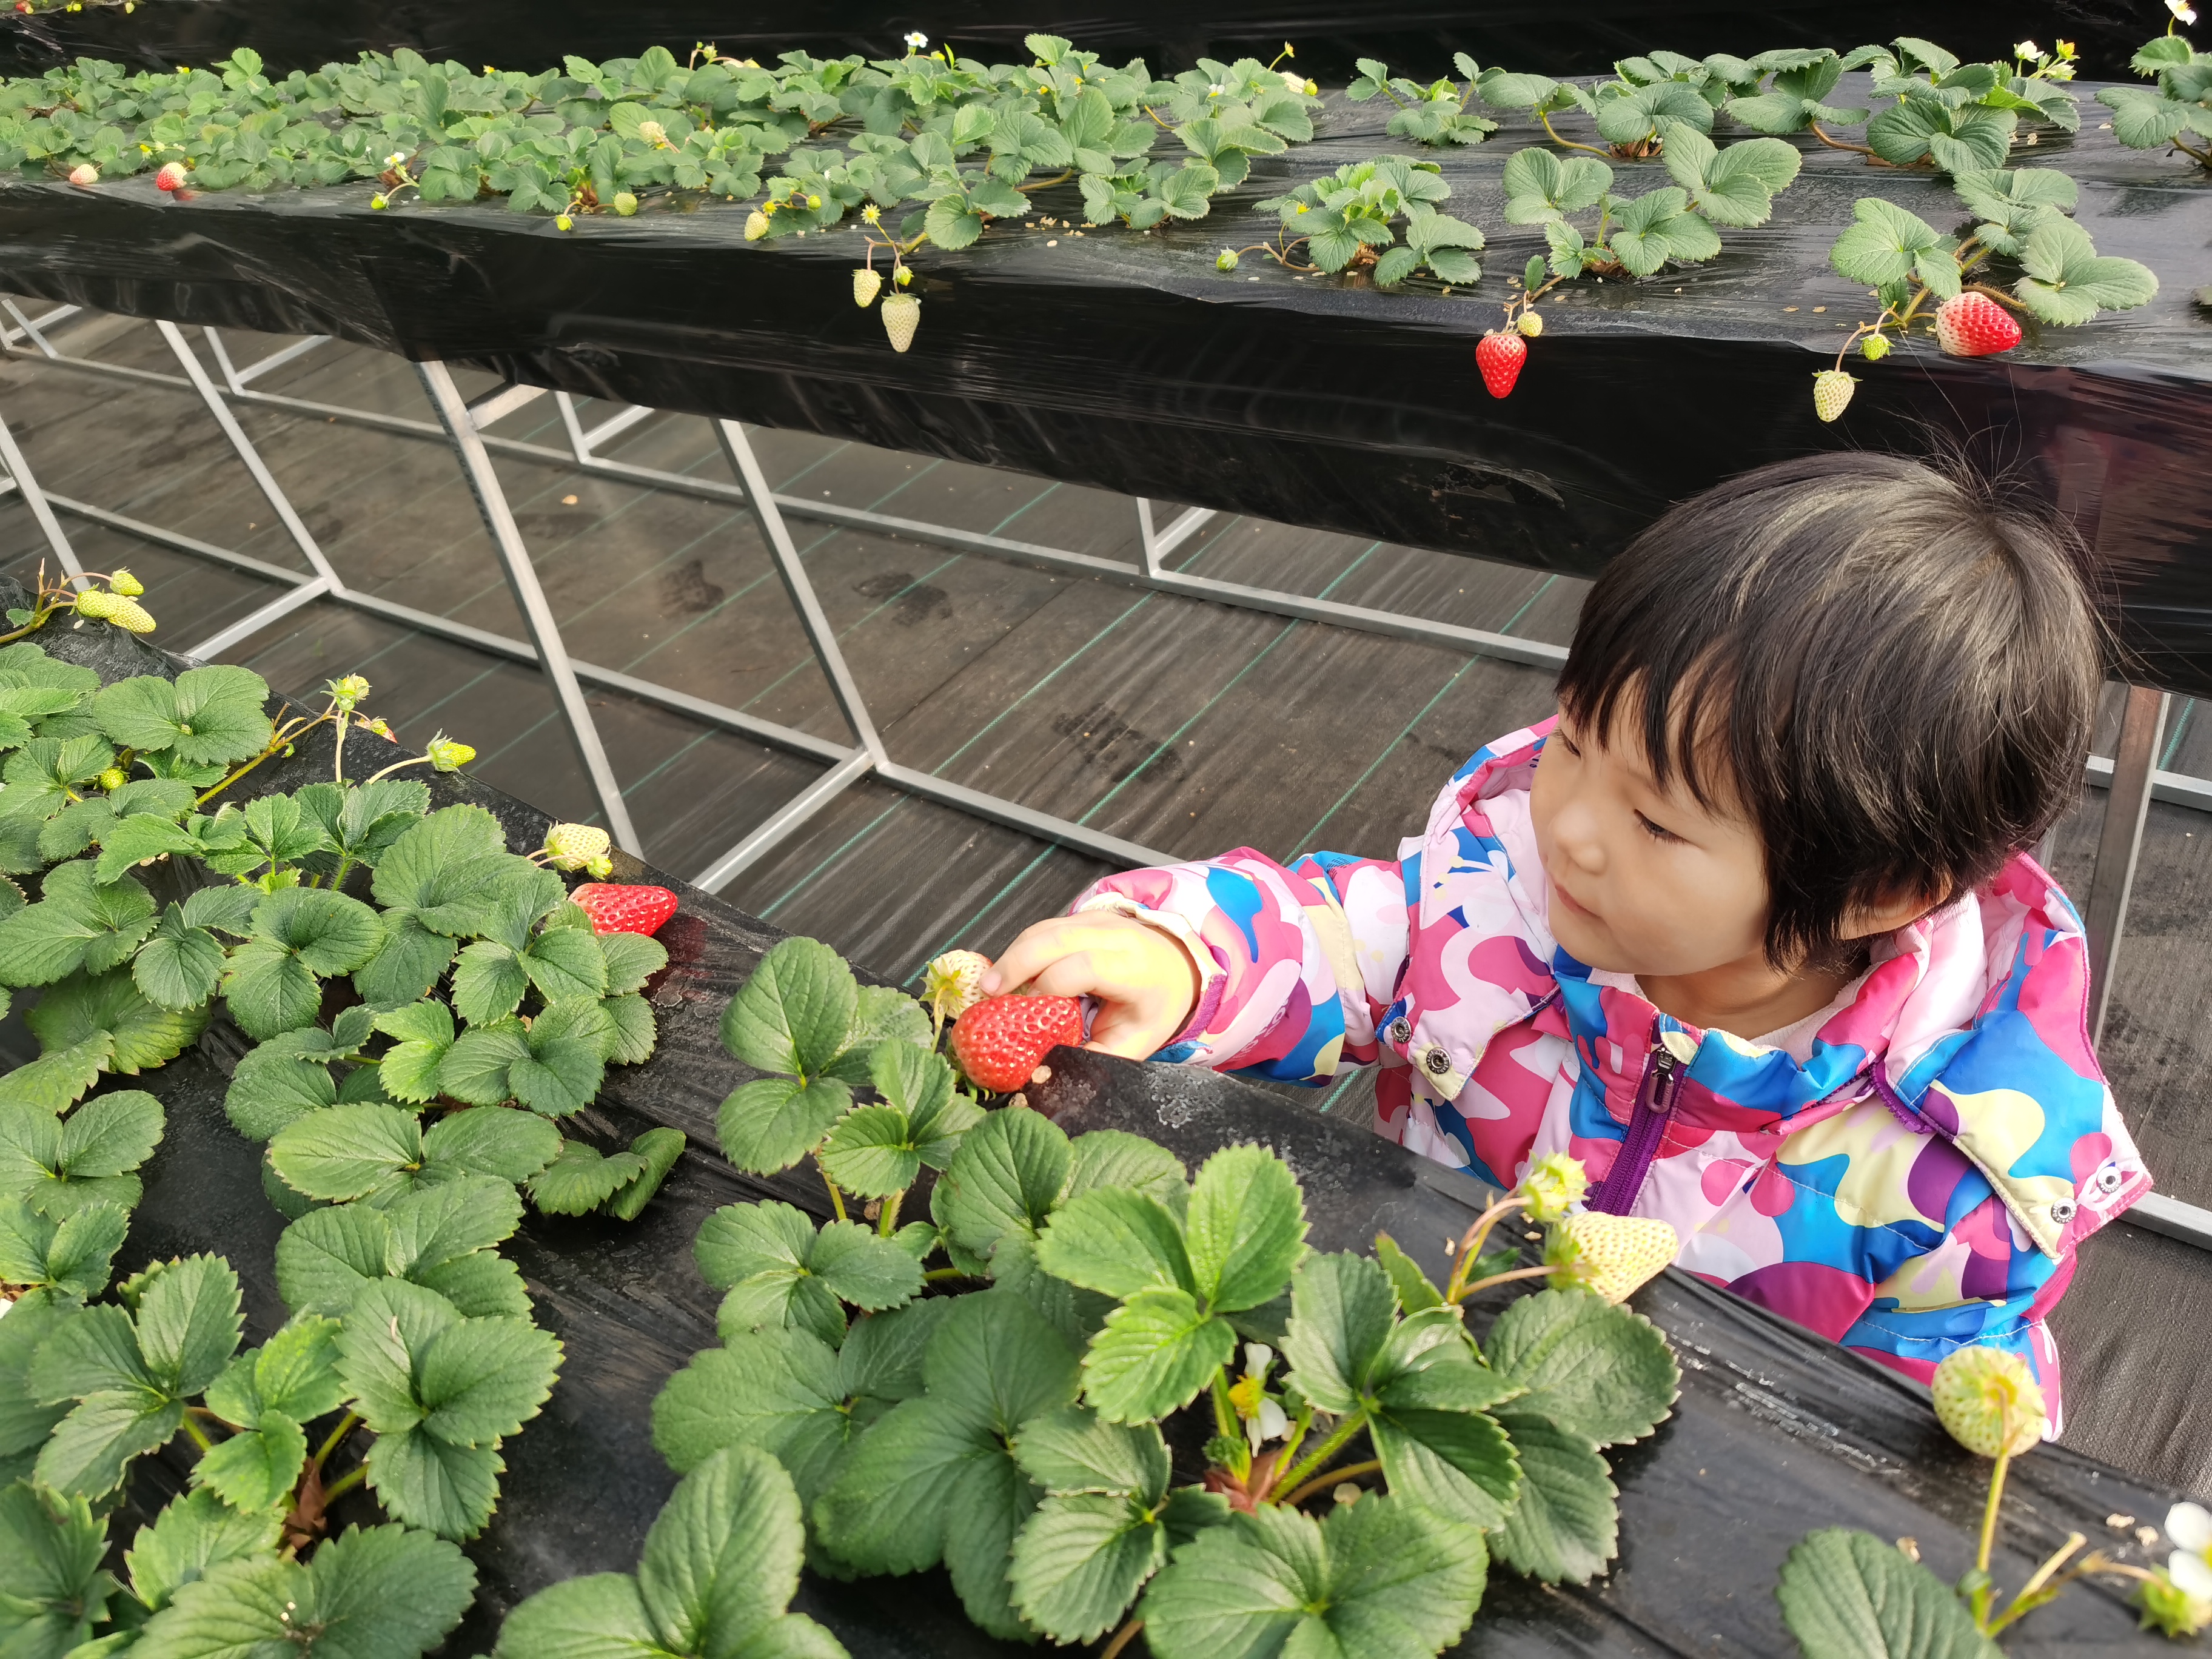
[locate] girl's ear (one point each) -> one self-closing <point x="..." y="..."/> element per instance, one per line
<point x="1889" y="913"/>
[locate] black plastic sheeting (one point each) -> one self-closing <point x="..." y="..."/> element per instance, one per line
<point x="1526" y="34"/>
<point x="1777" y="1432"/>
<point x="1128" y="361"/>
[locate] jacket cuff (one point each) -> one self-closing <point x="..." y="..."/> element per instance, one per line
<point x="1212" y="973"/>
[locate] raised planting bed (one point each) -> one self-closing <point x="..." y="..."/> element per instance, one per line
<point x="1080" y="323"/>
<point x="1774" y="1435"/>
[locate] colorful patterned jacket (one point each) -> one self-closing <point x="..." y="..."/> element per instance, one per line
<point x="1919" y="1184"/>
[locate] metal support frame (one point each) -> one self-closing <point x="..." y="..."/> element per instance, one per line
<point x="2131" y="775"/>
<point x="41" y="505"/>
<point x="460" y="423"/>
<point x="2119" y="845"/>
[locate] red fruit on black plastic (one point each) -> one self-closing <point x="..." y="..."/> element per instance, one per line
<point x="1000" y="1042"/>
<point x="1499" y="356"/>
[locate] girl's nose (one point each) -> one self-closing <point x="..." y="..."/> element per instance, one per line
<point x="1574" y="832"/>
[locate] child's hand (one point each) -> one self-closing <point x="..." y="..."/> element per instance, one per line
<point x="1144" y="983"/>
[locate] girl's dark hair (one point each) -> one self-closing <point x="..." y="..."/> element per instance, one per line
<point x="1890" y="670"/>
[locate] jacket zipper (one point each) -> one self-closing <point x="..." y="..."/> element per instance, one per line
<point x="1647" y="1125"/>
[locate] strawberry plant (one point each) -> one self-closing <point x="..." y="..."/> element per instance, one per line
<point x="2175" y="110"/>
<point x="2021" y="222"/>
<point x="1026" y="1427"/>
<point x="1637" y="235"/>
<point x="1435" y="114"/>
<point x="720" y="1568"/>
<point x="1351" y="219"/>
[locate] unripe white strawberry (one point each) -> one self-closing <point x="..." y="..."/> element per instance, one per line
<point x="84" y="174"/>
<point x="1831" y="393"/>
<point x="902" y="316"/>
<point x="574" y="846"/>
<point x="1530" y="323"/>
<point x="1988" y="1401"/>
<point x="953" y="983"/>
<point x="866" y="286"/>
<point x="756" y="225"/>
<point x="1614" y="1254"/>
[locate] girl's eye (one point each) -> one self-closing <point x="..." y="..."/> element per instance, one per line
<point x="1566" y="742"/>
<point x="1656" y="831"/>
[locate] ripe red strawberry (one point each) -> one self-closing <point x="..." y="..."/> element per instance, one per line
<point x="171" y="177"/>
<point x="617" y="910"/>
<point x="1975" y="325"/>
<point x="1499" y="356"/>
<point x="1000" y="1042"/>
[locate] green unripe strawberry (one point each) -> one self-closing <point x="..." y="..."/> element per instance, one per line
<point x="1831" y="393"/>
<point x="866" y="286"/>
<point x="902" y="316"/>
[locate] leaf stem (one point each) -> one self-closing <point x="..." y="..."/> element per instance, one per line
<point x="1122" y="1638"/>
<point x="415" y="760"/>
<point x="887" y="1218"/>
<point x="1981" y="1596"/>
<point x="199" y="1435"/>
<point x="837" y="1198"/>
<point x="938" y="1275"/>
<point x="1470" y="1245"/>
<point x="1569" y="143"/>
<point x="1541" y="1271"/>
<point x="347" y="1425"/>
<point x="1330" y="1478"/>
<point x="1224" y="1410"/>
<point x="284" y="737"/>
<point x="2040" y="1590"/>
<point x="346" y="1482"/>
<point x="1355" y="1420"/>
<point x="1813" y="127"/>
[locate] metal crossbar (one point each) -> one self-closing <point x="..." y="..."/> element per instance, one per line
<point x="2131" y="775"/>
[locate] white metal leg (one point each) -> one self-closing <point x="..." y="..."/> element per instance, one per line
<point x="529" y="597"/>
<point x="2120" y="845"/>
<point x="19" y="469"/>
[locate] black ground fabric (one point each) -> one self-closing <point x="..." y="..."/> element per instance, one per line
<point x="1128" y="361"/>
<point x="1522" y="34"/>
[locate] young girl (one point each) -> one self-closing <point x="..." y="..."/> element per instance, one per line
<point x="1747" y="927"/>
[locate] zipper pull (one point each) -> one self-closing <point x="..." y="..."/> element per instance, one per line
<point x="1671" y="1049"/>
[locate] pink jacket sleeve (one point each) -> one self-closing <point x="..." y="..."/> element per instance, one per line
<point x="1297" y="962"/>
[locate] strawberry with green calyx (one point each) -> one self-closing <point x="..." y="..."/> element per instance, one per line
<point x="1501" y="352"/>
<point x="902" y="315"/>
<point x="1499" y="356"/>
<point x="625" y="909"/>
<point x="1972" y="325"/>
<point x="574" y="847"/>
<point x="1615" y="1256"/>
<point x="124" y="612"/>
<point x="953" y="983"/>
<point x="866" y="286"/>
<point x="1001" y="1041"/>
<point x="1831" y="393"/>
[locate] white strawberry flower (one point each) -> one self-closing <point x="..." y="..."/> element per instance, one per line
<point x="2027" y="49"/>
<point x="2182" y="9"/>
<point x="2189" y="1529"/>
<point x="917" y="41"/>
<point x="1217" y="90"/>
<point x="1264" y="1416"/>
<point x="394" y="161"/>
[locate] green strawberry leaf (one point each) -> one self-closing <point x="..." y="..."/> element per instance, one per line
<point x="196" y="1531"/>
<point x="795" y="1015"/>
<point x="52" y="1546"/>
<point x="1565" y="1525"/>
<point x="1593" y="1368"/>
<point x="1002" y="1182"/>
<point x="344" y="1153"/>
<point x="1379" y="1579"/>
<point x="386" y="1592"/>
<point x="1157" y="1351"/>
<point x="1848" y="1595"/>
<point x="205" y="715"/>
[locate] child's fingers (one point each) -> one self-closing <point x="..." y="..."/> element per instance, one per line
<point x="1037" y="948"/>
<point x="1073" y="976"/>
<point x="1120" y="1030"/>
